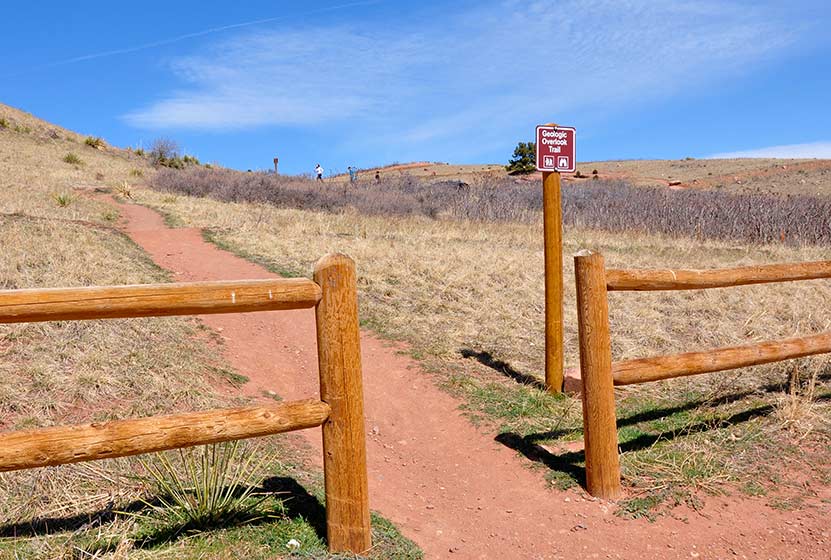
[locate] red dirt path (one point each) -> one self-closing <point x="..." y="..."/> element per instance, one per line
<point x="448" y="486"/>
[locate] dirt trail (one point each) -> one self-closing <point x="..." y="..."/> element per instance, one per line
<point x="448" y="486"/>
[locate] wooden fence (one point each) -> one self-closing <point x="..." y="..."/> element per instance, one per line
<point x="600" y="375"/>
<point x="339" y="411"/>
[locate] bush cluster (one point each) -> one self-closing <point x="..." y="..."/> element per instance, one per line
<point x="94" y="142"/>
<point x="165" y="153"/>
<point x="750" y="217"/>
<point x="487" y="199"/>
<point x="599" y="204"/>
<point x="72" y="159"/>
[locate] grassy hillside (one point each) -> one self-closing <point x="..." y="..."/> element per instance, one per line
<point x="35" y="173"/>
<point x="55" y="231"/>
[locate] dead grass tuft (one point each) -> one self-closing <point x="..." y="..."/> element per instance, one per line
<point x="798" y="411"/>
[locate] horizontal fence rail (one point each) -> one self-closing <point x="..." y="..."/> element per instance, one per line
<point x="339" y="412"/>
<point x="119" y="438"/>
<point x="668" y="279"/>
<point x="643" y="370"/>
<point x="600" y="375"/>
<point x="156" y="300"/>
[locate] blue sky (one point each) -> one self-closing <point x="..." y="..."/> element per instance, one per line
<point x="372" y="82"/>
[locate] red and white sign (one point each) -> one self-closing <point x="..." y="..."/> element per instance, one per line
<point x="556" y="148"/>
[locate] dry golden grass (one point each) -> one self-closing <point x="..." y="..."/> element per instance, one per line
<point x="658" y="172"/>
<point x="768" y="175"/>
<point x="70" y="372"/>
<point x="32" y="170"/>
<point x="55" y="233"/>
<point x="449" y="286"/>
<point x="446" y="285"/>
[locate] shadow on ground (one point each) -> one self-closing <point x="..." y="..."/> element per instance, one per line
<point x="486" y="359"/>
<point x="296" y="500"/>
<point x="572" y="463"/>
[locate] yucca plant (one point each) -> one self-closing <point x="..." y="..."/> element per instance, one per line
<point x="123" y="189"/>
<point x="212" y="486"/>
<point x="72" y="159"/>
<point x="62" y="199"/>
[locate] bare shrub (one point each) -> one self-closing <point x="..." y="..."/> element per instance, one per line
<point x="484" y="199"/>
<point x="605" y="205"/>
<point x="163" y="150"/>
<point x="755" y="218"/>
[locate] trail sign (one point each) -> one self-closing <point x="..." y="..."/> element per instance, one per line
<point x="555" y="148"/>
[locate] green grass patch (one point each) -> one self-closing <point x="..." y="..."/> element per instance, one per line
<point x="215" y="237"/>
<point x="72" y="159"/>
<point x="287" y="519"/>
<point x="234" y="378"/>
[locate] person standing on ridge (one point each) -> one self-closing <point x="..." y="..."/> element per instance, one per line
<point x="319" y="172"/>
<point x="353" y="174"/>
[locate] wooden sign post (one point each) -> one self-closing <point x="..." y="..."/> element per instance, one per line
<point x="555" y="153"/>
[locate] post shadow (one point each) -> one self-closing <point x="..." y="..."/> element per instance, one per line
<point x="570" y="463"/>
<point x="486" y="359"/>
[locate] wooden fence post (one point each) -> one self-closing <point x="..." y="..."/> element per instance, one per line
<point x="553" y="246"/>
<point x="599" y="422"/>
<point x="344" y="442"/>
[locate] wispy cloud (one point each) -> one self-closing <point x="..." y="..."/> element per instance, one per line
<point x="498" y="66"/>
<point x="820" y="150"/>
<point x="196" y="34"/>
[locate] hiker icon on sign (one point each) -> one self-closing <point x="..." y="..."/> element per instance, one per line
<point x="548" y="161"/>
<point x="562" y="162"/>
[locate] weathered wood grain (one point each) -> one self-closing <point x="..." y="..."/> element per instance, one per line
<point x="73" y="444"/>
<point x="155" y="300"/>
<point x="681" y="279"/>
<point x="598" y="394"/>
<point x="344" y="442"/>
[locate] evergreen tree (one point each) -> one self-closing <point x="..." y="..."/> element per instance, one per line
<point x="523" y="159"/>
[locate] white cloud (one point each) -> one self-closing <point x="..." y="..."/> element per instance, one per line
<point x="820" y="150"/>
<point x="497" y="67"/>
<point x="289" y="78"/>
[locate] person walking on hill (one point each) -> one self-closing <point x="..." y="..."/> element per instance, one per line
<point x="319" y="172"/>
<point x="353" y="174"/>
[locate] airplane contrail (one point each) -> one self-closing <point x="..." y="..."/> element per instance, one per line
<point x="163" y="42"/>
